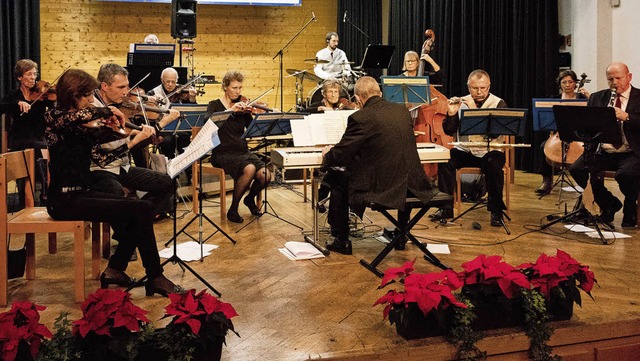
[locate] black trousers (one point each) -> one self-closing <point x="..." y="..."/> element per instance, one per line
<point x="338" y="217"/>
<point x="491" y="166"/>
<point x="159" y="186"/>
<point x="131" y="219"/>
<point x="627" y="167"/>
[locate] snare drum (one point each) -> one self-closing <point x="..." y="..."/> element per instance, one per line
<point x="315" y="95"/>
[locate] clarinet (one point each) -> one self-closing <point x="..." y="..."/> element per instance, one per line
<point x="612" y="99"/>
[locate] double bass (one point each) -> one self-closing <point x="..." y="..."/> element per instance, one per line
<point x="430" y="116"/>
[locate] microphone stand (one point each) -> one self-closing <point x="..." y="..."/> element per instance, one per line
<point x="280" y="54"/>
<point x="347" y="20"/>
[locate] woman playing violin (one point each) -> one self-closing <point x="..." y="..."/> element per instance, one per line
<point x="331" y="98"/>
<point x="568" y="84"/>
<point x="71" y="145"/>
<point x="248" y="171"/>
<point x="26" y="107"/>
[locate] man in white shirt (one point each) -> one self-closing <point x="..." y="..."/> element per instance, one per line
<point x="338" y="64"/>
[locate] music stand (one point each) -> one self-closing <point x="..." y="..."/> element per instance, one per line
<point x="206" y="140"/>
<point x="405" y="90"/>
<point x="377" y="56"/>
<point x="194" y="116"/>
<point x="175" y="166"/>
<point x="491" y="123"/>
<point x="590" y="125"/>
<point x="544" y="120"/>
<point x="265" y="125"/>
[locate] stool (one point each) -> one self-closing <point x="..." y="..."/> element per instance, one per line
<point x="439" y="200"/>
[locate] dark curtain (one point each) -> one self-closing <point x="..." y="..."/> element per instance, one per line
<point x="516" y="41"/>
<point x="365" y="15"/>
<point x="19" y="37"/>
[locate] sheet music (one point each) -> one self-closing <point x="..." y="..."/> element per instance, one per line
<point x="320" y="129"/>
<point x="204" y="141"/>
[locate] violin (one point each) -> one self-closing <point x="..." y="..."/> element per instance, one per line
<point x="252" y="107"/>
<point x="183" y="94"/>
<point x="42" y="90"/>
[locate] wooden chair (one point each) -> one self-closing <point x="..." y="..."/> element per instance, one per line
<point x="222" y="179"/>
<point x="32" y="220"/>
<point x="612" y="174"/>
<point x="457" y="196"/>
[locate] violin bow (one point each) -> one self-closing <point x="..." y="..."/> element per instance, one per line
<point x="260" y="96"/>
<point x="179" y="89"/>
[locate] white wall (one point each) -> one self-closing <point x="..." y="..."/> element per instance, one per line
<point x="601" y="34"/>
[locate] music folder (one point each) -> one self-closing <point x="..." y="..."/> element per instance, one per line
<point x="543" y="118"/>
<point x="406" y="89"/>
<point x="587" y="124"/>
<point x="492" y="122"/>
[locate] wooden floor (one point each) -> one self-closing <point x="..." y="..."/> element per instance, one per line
<point x="323" y="308"/>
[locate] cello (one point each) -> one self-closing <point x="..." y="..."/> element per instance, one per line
<point x="560" y="154"/>
<point x="430" y="116"/>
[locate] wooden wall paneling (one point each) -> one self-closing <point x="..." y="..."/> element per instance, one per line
<point x="86" y="34"/>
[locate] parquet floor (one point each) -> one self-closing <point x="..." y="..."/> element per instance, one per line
<point x="296" y="310"/>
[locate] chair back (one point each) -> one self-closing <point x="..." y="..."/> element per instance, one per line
<point x="4" y="138"/>
<point x="14" y="166"/>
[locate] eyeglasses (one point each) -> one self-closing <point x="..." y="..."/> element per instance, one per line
<point x="479" y="88"/>
<point x="410" y="61"/>
<point x="169" y="81"/>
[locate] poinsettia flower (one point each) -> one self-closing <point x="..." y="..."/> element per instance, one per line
<point x="586" y="279"/>
<point x="193" y="309"/>
<point x="393" y="273"/>
<point x="107" y="308"/>
<point x="391" y="298"/>
<point x="493" y="270"/>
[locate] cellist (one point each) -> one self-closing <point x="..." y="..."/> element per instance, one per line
<point x="568" y="84"/>
<point x="411" y="62"/>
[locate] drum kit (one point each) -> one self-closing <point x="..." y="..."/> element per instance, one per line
<point x="347" y="78"/>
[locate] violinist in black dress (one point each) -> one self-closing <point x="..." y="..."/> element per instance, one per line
<point x="71" y="145"/>
<point x="233" y="155"/>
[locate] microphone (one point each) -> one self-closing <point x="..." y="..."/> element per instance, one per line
<point x="344" y="17"/>
<point x="314" y="16"/>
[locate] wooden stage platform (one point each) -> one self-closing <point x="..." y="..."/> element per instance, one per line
<point x="322" y="309"/>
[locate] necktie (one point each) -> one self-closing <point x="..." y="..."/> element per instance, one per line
<point x="618" y="102"/>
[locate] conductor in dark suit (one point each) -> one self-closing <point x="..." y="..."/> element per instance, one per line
<point x="379" y="154"/>
<point x="623" y="158"/>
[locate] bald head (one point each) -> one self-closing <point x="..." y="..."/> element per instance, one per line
<point x="366" y="87"/>
<point x="618" y="77"/>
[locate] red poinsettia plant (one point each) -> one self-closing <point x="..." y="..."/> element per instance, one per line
<point x="492" y="270"/>
<point x="550" y="272"/>
<point x="430" y="291"/>
<point x="200" y="312"/>
<point x="105" y="310"/>
<point x="21" y="327"/>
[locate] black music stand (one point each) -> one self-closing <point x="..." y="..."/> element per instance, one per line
<point x="590" y="125"/>
<point x="491" y="123"/>
<point x="377" y="56"/>
<point x="194" y="152"/>
<point x="263" y="126"/>
<point x="405" y="90"/>
<point x="177" y="165"/>
<point x="544" y="120"/>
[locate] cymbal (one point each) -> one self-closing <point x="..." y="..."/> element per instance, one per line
<point x="316" y="61"/>
<point x="303" y="74"/>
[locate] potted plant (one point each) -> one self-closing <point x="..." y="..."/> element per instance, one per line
<point x="420" y="309"/>
<point x="559" y="279"/>
<point x="21" y="332"/>
<point x="493" y="287"/>
<point x="199" y="324"/>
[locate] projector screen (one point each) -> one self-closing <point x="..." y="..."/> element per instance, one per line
<point x="224" y="2"/>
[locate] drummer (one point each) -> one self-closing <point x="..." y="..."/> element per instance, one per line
<point x="338" y="64"/>
<point x="331" y="99"/>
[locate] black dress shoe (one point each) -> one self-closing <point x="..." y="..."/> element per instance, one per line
<point x="234" y="217"/>
<point x="112" y="276"/>
<point x="629" y="221"/>
<point x="442" y="213"/>
<point x="496" y="219"/>
<point x="162" y="286"/>
<point x="251" y="204"/>
<point x="608" y="214"/>
<point x="342" y="247"/>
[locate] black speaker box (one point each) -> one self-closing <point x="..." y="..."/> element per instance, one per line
<point x="183" y="19"/>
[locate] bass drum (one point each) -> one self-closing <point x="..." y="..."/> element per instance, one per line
<point x="315" y="95"/>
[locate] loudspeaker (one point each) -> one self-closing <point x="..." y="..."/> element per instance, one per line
<point x="183" y="18"/>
